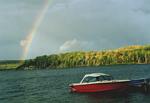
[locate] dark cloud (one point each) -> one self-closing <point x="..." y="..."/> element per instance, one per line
<point x="91" y="24"/>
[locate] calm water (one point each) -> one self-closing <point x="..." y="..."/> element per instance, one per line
<point x="51" y="86"/>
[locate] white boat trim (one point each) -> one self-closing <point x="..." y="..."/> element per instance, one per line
<point x="102" y="82"/>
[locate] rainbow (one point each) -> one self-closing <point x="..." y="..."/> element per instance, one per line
<point x="26" y="43"/>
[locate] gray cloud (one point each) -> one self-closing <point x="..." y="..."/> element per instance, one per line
<point x="104" y="24"/>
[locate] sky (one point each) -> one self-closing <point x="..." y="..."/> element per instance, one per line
<point x="72" y="25"/>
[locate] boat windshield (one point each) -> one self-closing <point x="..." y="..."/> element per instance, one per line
<point x="95" y="79"/>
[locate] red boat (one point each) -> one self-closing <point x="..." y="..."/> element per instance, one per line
<point x="98" y="82"/>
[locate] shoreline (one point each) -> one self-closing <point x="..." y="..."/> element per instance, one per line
<point x="130" y="55"/>
<point x="86" y="67"/>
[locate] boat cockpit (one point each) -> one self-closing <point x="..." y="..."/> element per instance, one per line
<point x="95" y="77"/>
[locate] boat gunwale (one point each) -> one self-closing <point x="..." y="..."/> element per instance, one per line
<point x="100" y="82"/>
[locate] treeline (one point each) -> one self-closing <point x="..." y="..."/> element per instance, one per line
<point x="9" y="64"/>
<point x="127" y="55"/>
<point x="9" y="61"/>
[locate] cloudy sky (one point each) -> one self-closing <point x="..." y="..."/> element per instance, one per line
<point x="73" y="25"/>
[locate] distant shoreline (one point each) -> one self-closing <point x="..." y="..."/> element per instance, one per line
<point x="10" y="69"/>
<point x="122" y="56"/>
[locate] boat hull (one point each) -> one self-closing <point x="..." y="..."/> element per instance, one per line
<point x="139" y="82"/>
<point x="99" y="87"/>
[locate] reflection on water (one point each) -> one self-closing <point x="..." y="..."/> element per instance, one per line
<point x="109" y="97"/>
<point x="51" y="86"/>
<point x="116" y="97"/>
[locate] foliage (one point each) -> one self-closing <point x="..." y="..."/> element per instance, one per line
<point x="127" y="55"/>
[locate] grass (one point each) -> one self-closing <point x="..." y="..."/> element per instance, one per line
<point x="9" y="66"/>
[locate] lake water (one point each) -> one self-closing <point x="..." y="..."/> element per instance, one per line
<point x="51" y="86"/>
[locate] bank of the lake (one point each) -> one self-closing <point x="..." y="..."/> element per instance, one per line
<point x="9" y="64"/>
<point x="126" y="55"/>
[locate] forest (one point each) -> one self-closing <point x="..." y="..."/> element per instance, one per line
<point x="127" y="55"/>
